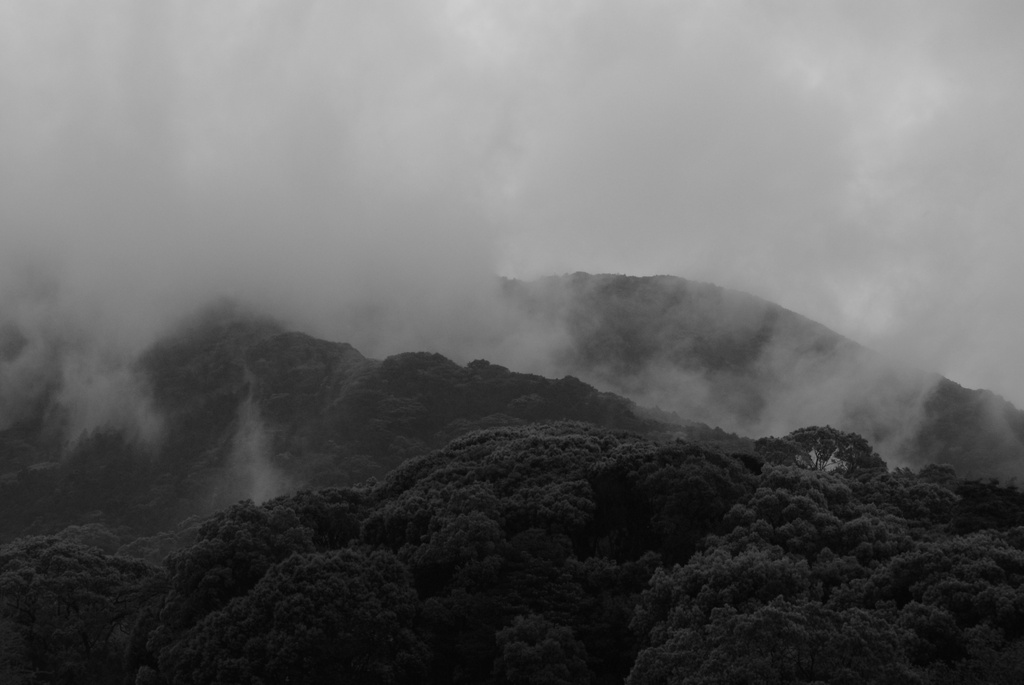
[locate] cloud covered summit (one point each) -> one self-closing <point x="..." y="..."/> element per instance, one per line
<point x="345" y="163"/>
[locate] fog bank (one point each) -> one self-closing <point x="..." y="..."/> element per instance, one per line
<point x="364" y="170"/>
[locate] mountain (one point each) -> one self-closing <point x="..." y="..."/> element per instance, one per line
<point x="733" y="360"/>
<point x="231" y="405"/>
<point x="500" y="527"/>
<point x="560" y="553"/>
<point x="249" y="410"/>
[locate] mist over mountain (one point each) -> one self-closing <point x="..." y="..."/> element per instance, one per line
<point x="452" y="467"/>
<point x="737" y="361"/>
<point x="231" y="404"/>
<point x="361" y="174"/>
<point x="238" y="481"/>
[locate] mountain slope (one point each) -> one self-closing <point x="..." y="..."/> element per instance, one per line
<point x="250" y="410"/>
<point x="235" y="406"/>
<point x="733" y="360"/>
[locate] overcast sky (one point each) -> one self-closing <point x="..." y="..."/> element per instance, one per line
<point x="858" y="162"/>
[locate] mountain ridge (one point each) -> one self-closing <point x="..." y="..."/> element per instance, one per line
<point x="248" y="408"/>
<point x="731" y="359"/>
<point x="244" y="402"/>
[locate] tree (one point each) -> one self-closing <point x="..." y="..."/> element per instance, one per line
<point x="14" y="661"/>
<point x="535" y="651"/>
<point x="782" y="641"/>
<point x="313" y="618"/>
<point x="821" y="449"/>
<point x="68" y="609"/>
<point x="233" y="550"/>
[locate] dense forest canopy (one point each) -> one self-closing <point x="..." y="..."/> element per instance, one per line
<point x="249" y="410"/>
<point x="558" y="553"/>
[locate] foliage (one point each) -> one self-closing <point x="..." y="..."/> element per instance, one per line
<point x="560" y="553"/>
<point x="821" y="449"/>
<point x="535" y="651"/>
<point x="331" y="417"/>
<point x="66" y="610"/>
<point x="312" y="618"/>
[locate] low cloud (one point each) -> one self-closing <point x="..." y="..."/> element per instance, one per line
<point x="251" y="474"/>
<point x="364" y="170"/>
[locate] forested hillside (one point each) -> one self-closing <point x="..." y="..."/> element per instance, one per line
<point x="559" y="553"/>
<point x="286" y="509"/>
<point x="234" y="406"/>
<point x="737" y="361"/>
<point x="249" y="410"/>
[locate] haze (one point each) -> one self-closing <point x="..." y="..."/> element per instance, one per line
<point x="366" y="168"/>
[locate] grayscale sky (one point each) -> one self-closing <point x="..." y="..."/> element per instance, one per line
<point x="858" y="162"/>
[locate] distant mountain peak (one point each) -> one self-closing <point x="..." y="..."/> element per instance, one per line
<point x="731" y="359"/>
